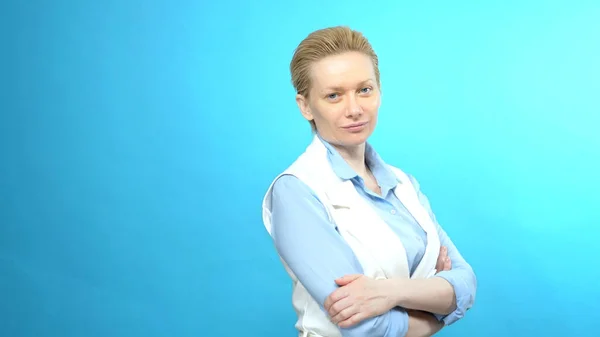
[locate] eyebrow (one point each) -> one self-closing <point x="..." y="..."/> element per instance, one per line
<point x="341" y="89"/>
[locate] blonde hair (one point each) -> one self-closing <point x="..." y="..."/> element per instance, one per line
<point x="321" y="44"/>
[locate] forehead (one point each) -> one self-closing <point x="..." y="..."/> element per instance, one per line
<point x="342" y="70"/>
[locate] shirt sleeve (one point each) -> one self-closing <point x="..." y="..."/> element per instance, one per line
<point x="461" y="276"/>
<point x="317" y="254"/>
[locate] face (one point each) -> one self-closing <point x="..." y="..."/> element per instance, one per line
<point x="344" y="99"/>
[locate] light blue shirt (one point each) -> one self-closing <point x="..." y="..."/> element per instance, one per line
<point x="317" y="254"/>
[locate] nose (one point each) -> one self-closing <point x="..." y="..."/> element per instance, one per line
<point x="353" y="108"/>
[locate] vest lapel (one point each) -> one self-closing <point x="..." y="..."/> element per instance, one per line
<point x="409" y="198"/>
<point x="379" y="249"/>
<point x="364" y="230"/>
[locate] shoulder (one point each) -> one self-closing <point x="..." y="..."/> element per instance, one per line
<point x="290" y="184"/>
<point x="303" y="182"/>
<point x="299" y="192"/>
<point x="291" y="191"/>
<point x="305" y="175"/>
<point x="294" y="202"/>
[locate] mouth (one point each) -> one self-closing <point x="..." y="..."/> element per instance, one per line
<point x="355" y="126"/>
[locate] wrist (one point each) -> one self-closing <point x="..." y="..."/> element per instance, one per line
<point x="399" y="290"/>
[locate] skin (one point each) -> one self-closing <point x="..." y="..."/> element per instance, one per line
<point x="360" y="297"/>
<point x="344" y="91"/>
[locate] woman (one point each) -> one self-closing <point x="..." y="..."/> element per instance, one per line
<point x="356" y="235"/>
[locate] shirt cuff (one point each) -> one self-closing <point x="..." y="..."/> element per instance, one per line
<point x="463" y="297"/>
<point x="398" y="323"/>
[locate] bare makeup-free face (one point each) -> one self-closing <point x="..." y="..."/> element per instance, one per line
<point x="344" y="99"/>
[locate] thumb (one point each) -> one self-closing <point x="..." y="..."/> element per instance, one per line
<point x="342" y="281"/>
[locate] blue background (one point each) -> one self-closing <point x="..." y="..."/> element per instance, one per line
<point x="137" y="139"/>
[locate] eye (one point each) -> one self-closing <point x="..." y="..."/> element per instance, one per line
<point x="365" y="90"/>
<point x="332" y="96"/>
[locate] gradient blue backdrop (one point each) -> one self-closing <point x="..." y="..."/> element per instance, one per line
<point x="137" y="139"/>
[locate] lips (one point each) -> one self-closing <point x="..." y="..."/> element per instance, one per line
<point x="355" y="125"/>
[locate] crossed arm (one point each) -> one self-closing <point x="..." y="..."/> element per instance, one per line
<point x="324" y="264"/>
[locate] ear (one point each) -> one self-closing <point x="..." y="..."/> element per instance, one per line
<point x="304" y="107"/>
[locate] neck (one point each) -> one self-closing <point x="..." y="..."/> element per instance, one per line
<point x="355" y="157"/>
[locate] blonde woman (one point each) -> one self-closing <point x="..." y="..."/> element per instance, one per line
<point x="356" y="235"/>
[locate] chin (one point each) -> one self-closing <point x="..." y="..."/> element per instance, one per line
<point x="354" y="139"/>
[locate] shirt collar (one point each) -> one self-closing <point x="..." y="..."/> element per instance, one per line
<point x="385" y="177"/>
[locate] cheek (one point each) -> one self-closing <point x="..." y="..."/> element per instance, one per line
<point x="371" y="106"/>
<point x="331" y="113"/>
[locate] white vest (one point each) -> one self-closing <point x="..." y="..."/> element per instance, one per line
<point x="377" y="248"/>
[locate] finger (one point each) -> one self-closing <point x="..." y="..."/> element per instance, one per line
<point x="443" y="252"/>
<point x="334" y="297"/>
<point x="336" y="307"/>
<point x="440" y="262"/>
<point x="341" y="311"/>
<point x="342" y="281"/>
<point x="447" y="264"/>
<point x="441" y="259"/>
<point x="353" y="320"/>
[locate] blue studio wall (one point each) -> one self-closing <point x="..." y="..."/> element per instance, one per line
<point x="137" y="139"/>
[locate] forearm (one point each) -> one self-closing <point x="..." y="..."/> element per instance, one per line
<point x="299" y="221"/>
<point x="422" y="324"/>
<point x="434" y="295"/>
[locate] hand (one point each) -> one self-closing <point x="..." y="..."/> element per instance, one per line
<point x="358" y="298"/>
<point x="443" y="262"/>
